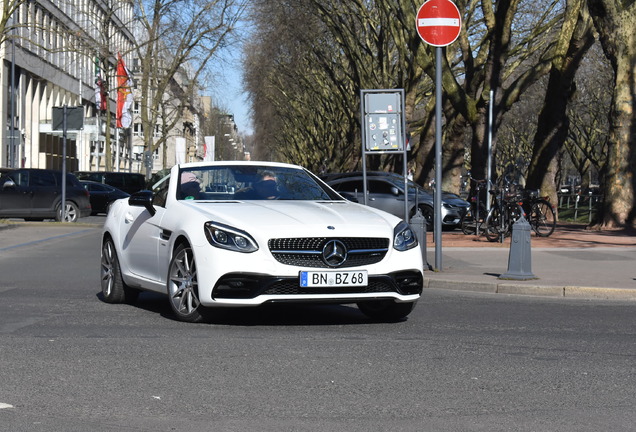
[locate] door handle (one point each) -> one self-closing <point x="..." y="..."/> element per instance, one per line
<point x="129" y="218"/>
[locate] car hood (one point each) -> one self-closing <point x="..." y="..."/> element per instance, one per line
<point x="299" y="218"/>
<point x="454" y="199"/>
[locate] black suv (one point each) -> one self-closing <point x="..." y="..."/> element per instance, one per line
<point x="36" y="194"/>
<point x="128" y="182"/>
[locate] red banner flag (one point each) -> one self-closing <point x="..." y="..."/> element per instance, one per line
<point x="124" y="95"/>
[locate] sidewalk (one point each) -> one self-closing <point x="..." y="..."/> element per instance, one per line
<point x="572" y="262"/>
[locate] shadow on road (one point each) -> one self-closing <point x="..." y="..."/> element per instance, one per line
<point x="274" y="314"/>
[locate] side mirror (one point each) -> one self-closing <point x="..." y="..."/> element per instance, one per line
<point x="9" y="184"/>
<point x="144" y="199"/>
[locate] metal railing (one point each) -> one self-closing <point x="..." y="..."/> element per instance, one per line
<point x="573" y="206"/>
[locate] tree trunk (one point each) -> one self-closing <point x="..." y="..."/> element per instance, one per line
<point x="615" y="22"/>
<point x="553" y="123"/>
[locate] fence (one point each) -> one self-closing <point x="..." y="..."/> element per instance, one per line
<point x="579" y="208"/>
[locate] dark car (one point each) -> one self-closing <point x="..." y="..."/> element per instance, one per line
<point x="101" y="195"/>
<point x="386" y="192"/>
<point x="36" y="194"/>
<point x="127" y="182"/>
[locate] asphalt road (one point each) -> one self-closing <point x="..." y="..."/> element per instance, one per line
<point x="462" y="361"/>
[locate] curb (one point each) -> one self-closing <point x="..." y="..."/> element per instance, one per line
<point x="574" y="292"/>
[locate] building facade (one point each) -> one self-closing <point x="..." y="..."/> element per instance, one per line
<point x="55" y="53"/>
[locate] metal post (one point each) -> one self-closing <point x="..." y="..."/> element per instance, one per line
<point x="117" y="149"/>
<point x="489" y="169"/>
<point x="12" y="146"/>
<point x="63" y="204"/>
<point x="437" y="230"/>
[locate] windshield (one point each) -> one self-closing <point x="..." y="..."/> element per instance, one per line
<point x="250" y="182"/>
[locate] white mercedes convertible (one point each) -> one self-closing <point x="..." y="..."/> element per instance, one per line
<point x="229" y="234"/>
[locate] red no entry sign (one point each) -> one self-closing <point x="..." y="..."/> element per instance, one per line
<point x="438" y="22"/>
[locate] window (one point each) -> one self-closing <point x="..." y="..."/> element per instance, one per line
<point x="138" y="130"/>
<point x="381" y="187"/>
<point x="42" y="178"/>
<point x="350" y="186"/>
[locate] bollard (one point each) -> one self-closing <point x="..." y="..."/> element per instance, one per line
<point x="418" y="224"/>
<point x="519" y="258"/>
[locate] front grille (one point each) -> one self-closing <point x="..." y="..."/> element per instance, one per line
<point x="290" y="287"/>
<point x="307" y="251"/>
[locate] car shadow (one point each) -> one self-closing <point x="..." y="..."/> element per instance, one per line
<point x="271" y="314"/>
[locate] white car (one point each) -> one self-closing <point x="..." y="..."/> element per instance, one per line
<point x="228" y="234"/>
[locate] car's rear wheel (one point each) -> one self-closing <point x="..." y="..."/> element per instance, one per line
<point x="114" y="290"/>
<point x="183" y="288"/>
<point x="385" y="310"/>
<point x="71" y="215"/>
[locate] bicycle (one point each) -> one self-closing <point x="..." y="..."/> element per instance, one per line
<point x="474" y="218"/>
<point x="540" y="212"/>
<point x="504" y="212"/>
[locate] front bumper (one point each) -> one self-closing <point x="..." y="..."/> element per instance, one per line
<point x="244" y="289"/>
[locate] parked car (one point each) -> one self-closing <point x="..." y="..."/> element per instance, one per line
<point x="101" y="195"/>
<point x="36" y="194"/>
<point x="386" y="192"/>
<point x="207" y="246"/>
<point x="127" y="182"/>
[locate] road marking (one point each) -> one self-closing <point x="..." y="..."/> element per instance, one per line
<point x="4" y="405"/>
<point x="44" y="239"/>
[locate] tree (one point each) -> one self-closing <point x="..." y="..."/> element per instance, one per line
<point x="9" y="21"/>
<point x="176" y="42"/>
<point x="553" y="124"/>
<point x="586" y="144"/>
<point x="615" y="21"/>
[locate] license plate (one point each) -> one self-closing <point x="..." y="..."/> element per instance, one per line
<point x="333" y="278"/>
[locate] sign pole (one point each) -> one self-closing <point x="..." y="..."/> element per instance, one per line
<point x="64" y="126"/>
<point x="437" y="198"/>
<point x="438" y="22"/>
<point x="65" y="118"/>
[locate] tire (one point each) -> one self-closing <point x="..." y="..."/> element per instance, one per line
<point x="114" y="290"/>
<point x="385" y="310"/>
<point x="542" y="218"/>
<point x="494" y="228"/>
<point x="72" y="212"/>
<point x="468" y="224"/>
<point x="182" y="286"/>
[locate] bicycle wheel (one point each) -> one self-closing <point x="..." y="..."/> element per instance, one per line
<point x="468" y="223"/>
<point x="496" y="225"/>
<point x="542" y="218"/>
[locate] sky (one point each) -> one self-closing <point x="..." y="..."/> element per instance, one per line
<point x="227" y="90"/>
<point x="228" y="94"/>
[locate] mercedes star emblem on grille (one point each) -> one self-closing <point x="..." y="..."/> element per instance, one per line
<point x="334" y="253"/>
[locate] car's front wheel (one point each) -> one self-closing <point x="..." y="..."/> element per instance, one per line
<point x="385" y="310"/>
<point x="114" y="290"/>
<point x="183" y="287"/>
<point x="71" y="214"/>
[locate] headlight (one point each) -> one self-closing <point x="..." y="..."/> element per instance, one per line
<point x="226" y="237"/>
<point x="403" y="237"/>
